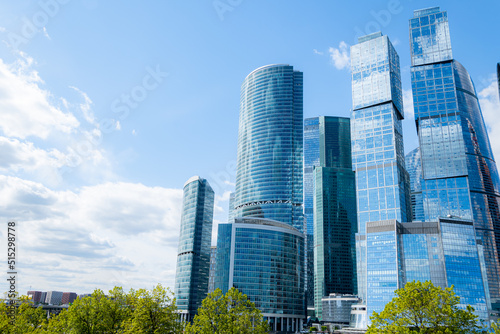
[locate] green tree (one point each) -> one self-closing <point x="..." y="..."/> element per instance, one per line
<point x="27" y="318"/>
<point x="153" y="312"/>
<point x="496" y="327"/>
<point x="231" y="313"/>
<point x="424" y="308"/>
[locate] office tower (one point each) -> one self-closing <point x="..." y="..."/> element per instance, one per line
<point x="193" y="259"/>
<point x="68" y="297"/>
<point x="382" y="183"/>
<point x="269" y="174"/>
<point x="211" y="276"/>
<point x="311" y="160"/>
<point x="414" y="168"/>
<point x="329" y="188"/>
<point x="268" y="199"/>
<point x="53" y="297"/>
<point x="264" y="259"/>
<point x="460" y="177"/>
<point x="424" y="251"/>
<point x="230" y="216"/>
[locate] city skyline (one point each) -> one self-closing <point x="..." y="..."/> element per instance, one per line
<point x="98" y="223"/>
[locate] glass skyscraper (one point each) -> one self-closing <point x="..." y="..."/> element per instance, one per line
<point x="264" y="259"/>
<point x="443" y="252"/>
<point x="498" y="76"/>
<point x="414" y="168"/>
<point x="193" y="259"/>
<point x="460" y="177"/>
<point x="270" y="147"/>
<point x="382" y="182"/>
<point x="311" y="160"/>
<point x="329" y="187"/>
<point x="262" y="251"/>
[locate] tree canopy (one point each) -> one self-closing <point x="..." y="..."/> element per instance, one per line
<point x="231" y="313"/>
<point x="140" y="311"/>
<point x="425" y="308"/>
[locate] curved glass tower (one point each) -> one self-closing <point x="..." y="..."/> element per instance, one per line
<point x="193" y="259"/>
<point x="269" y="176"/>
<point x="460" y="177"/>
<point x="264" y="259"/>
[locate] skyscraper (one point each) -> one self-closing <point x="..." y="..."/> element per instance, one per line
<point x="398" y="253"/>
<point x="193" y="259"/>
<point x="329" y="192"/>
<point x="266" y="258"/>
<point x="382" y="182"/>
<point x="311" y="160"/>
<point x="414" y="168"/>
<point x="211" y="276"/>
<point x="270" y="148"/>
<point x="460" y="177"/>
<point x="498" y="76"/>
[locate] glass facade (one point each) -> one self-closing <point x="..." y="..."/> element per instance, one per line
<point x="498" y="76"/>
<point x="334" y="212"/>
<point x="230" y="216"/>
<point x="383" y="265"/>
<point x="311" y="160"/>
<point x="264" y="259"/>
<point x="414" y="168"/>
<point x="443" y="252"/>
<point x="460" y="177"/>
<point x="193" y="259"/>
<point x="382" y="182"/>
<point x="270" y="147"/>
<point x="211" y="276"/>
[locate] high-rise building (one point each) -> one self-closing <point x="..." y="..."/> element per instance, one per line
<point x="35" y="296"/>
<point x="498" y="76"/>
<point x="460" y="177"/>
<point x="264" y="259"/>
<point x="268" y="200"/>
<point x="68" y="297"/>
<point x="398" y="253"/>
<point x="193" y="259"/>
<point x="211" y="276"/>
<point x="53" y="297"/>
<point x="230" y="216"/>
<point x="311" y="160"/>
<point x="414" y="168"/>
<point x="269" y="174"/>
<point x="329" y="188"/>
<point x="382" y="182"/>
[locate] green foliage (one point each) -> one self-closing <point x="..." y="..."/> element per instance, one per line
<point x="324" y="328"/>
<point x="153" y="312"/>
<point x="231" y="313"/>
<point x="139" y="312"/>
<point x="424" y="308"/>
<point x="496" y="327"/>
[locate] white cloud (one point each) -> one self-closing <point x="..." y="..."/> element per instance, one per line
<point x="25" y="107"/>
<point x="80" y="240"/>
<point x="490" y="106"/>
<point x="86" y="106"/>
<point x="340" y="57"/>
<point x="46" y="34"/>
<point x="118" y="126"/>
<point x="2" y="29"/>
<point x="408" y="104"/>
<point x="317" y="52"/>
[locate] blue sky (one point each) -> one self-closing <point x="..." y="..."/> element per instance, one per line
<point x="107" y="108"/>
